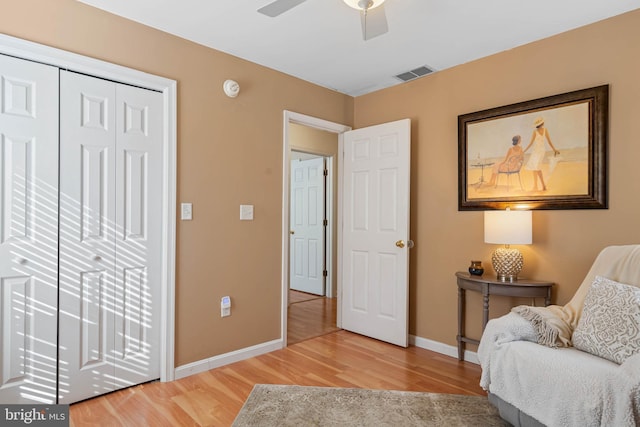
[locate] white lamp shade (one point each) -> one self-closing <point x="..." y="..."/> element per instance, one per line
<point x="507" y="227"/>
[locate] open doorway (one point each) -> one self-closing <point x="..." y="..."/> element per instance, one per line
<point x="310" y="308"/>
<point x="311" y="296"/>
<point x="385" y="315"/>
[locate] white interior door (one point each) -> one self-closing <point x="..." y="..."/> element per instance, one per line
<point x="139" y="156"/>
<point x="28" y="230"/>
<point x="110" y="249"/>
<point x="307" y="228"/>
<point x="88" y="297"/>
<point x="375" y="255"/>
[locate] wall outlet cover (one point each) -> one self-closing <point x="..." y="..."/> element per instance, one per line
<point x="225" y="306"/>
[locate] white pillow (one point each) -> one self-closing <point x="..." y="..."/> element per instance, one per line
<point x="609" y="326"/>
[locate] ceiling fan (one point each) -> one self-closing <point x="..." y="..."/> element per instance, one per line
<point x="372" y="16"/>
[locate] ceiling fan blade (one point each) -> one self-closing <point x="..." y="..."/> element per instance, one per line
<point x="279" y="6"/>
<point x="374" y="23"/>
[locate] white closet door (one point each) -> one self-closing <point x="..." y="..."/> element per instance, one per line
<point x="88" y="298"/>
<point x="111" y="241"/>
<point x="139" y="142"/>
<point x="28" y="230"/>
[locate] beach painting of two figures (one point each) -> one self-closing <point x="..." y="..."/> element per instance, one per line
<point x="542" y="153"/>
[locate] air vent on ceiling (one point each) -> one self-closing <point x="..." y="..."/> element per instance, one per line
<point x="414" y="74"/>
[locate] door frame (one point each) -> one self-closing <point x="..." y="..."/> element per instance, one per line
<point x="339" y="129"/>
<point x="62" y="59"/>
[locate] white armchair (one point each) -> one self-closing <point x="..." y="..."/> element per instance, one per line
<point x="555" y="383"/>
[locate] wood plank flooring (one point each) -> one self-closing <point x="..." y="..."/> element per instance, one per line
<point x="309" y="316"/>
<point x="338" y="359"/>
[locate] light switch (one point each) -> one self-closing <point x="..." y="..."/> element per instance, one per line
<point x="186" y="211"/>
<point x="246" y="212"/>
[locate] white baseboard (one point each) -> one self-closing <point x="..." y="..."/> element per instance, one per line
<point x="227" y="358"/>
<point x="256" y="350"/>
<point x="438" y="347"/>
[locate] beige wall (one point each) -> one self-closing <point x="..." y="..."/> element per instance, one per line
<point x="229" y="153"/>
<point x="565" y="241"/>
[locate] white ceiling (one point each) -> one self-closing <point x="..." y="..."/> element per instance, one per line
<point x="321" y="40"/>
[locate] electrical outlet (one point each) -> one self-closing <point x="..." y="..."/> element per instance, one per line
<point x="225" y="307"/>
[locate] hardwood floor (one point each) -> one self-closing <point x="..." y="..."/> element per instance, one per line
<point x="309" y="316"/>
<point x="338" y="359"/>
<point x="297" y="296"/>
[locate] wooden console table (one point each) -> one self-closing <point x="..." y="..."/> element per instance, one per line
<point x="491" y="286"/>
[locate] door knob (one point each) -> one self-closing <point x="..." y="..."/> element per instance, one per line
<point x="20" y="260"/>
<point x="97" y="257"/>
<point x="292" y="232"/>
<point x="400" y="244"/>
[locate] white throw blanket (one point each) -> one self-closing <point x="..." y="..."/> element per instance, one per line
<point x="503" y="330"/>
<point x="564" y="386"/>
<point x="554" y="325"/>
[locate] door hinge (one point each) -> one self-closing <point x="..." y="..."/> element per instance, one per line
<point x="325" y="222"/>
<point x="324" y="273"/>
<point x="326" y="172"/>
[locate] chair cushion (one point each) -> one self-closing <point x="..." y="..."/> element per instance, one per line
<point x="610" y="323"/>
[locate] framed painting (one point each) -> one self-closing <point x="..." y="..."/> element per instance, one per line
<point x="547" y="153"/>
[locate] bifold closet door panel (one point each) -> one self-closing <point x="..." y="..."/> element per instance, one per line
<point x="111" y="184"/>
<point x="139" y="183"/>
<point x="88" y="297"/>
<point x="28" y="230"/>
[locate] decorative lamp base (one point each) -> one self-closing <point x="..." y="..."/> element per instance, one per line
<point x="507" y="262"/>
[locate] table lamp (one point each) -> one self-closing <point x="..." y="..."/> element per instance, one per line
<point x="507" y="228"/>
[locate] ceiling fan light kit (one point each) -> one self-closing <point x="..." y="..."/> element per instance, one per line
<point x="373" y="17"/>
<point x="364" y="4"/>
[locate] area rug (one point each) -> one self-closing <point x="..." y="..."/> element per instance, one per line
<point x="286" y="405"/>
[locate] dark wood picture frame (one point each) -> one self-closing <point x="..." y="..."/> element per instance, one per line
<point x="575" y="164"/>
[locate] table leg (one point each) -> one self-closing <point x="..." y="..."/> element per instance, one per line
<point x="485" y="306"/>
<point x="461" y="301"/>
